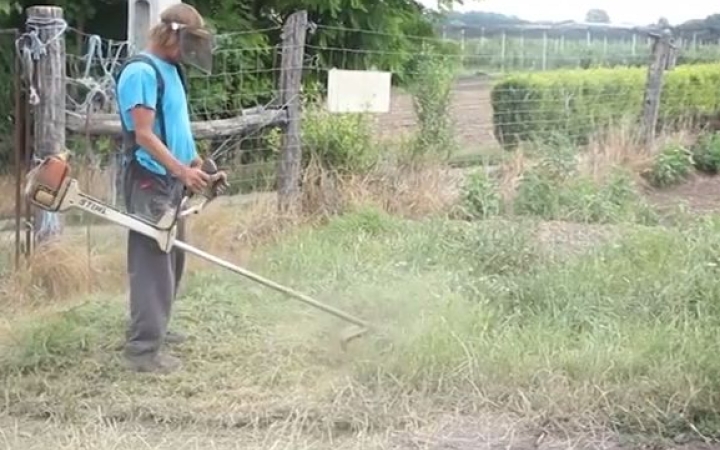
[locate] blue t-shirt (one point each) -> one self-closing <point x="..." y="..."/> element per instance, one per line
<point x="137" y="86"/>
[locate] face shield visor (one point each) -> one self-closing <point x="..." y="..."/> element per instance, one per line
<point x="197" y="46"/>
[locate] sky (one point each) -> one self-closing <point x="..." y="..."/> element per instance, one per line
<point x="620" y="11"/>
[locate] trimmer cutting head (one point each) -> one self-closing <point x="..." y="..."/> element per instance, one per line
<point x="350" y="334"/>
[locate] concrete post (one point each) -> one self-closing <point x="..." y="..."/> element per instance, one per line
<point x="143" y="15"/>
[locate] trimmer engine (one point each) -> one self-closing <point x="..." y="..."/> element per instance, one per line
<point x="48" y="183"/>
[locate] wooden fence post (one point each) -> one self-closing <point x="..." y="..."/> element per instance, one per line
<point x="49" y="112"/>
<point x="660" y="59"/>
<point x="293" y="53"/>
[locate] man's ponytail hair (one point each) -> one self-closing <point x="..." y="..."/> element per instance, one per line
<point x="164" y="34"/>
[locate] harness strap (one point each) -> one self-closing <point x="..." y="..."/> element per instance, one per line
<point x="129" y="144"/>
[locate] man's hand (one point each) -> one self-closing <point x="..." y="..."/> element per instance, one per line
<point x="194" y="179"/>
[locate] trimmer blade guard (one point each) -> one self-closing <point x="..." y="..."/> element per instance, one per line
<point x="350" y="334"/>
<point x="48" y="182"/>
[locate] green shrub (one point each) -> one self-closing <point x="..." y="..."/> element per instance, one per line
<point x="431" y="89"/>
<point x="341" y="143"/>
<point x="579" y="103"/>
<point x="551" y="192"/>
<point x="706" y="153"/>
<point x="672" y="165"/>
<point x="480" y="197"/>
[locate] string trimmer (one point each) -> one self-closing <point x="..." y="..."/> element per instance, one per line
<point x="51" y="188"/>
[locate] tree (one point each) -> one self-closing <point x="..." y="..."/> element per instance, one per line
<point x="597" y="16"/>
<point x="6" y="6"/>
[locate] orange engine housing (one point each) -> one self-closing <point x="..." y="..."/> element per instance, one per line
<point x="52" y="172"/>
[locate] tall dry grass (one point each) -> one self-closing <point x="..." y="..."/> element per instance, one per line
<point x="607" y="150"/>
<point x="59" y="271"/>
<point x="90" y="259"/>
<point x="410" y="191"/>
<point x="619" y="147"/>
<point x="7" y="201"/>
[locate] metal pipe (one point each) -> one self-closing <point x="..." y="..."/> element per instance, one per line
<point x="271" y="284"/>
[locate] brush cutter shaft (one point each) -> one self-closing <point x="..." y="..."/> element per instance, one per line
<point x="95" y="207"/>
<point x="163" y="232"/>
<point x="166" y="240"/>
<point x="271" y="284"/>
<point x="63" y="193"/>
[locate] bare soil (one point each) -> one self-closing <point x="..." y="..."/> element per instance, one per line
<point x="699" y="195"/>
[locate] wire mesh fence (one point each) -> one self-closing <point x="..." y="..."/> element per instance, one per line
<point x="471" y="97"/>
<point x="245" y="79"/>
<point x="426" y="74"/>
<point x="8" y="121"/>
<point x="493" y="109"/>
<point x="243" y="85"/>
<point x="244" y="82"/>
<point x="498" y="49"/>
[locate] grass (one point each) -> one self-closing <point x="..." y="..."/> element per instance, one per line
<point x="471" y="316"/>
<point x="504" y="323"/>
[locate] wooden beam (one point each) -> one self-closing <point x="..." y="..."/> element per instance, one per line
<point x="109" y="124"/>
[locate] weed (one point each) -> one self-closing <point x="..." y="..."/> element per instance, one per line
<point x="555" y="190"/>
<point x="481" y="197"/>
<point x="706" y="153"/>
<point x="57" y="342"/>
<point x="672" y="165"/>
<point x="496" y="248"/>
<point x="431" y="90"/>
<point x="341" y="143"/>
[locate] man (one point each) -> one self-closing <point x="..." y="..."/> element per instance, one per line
<point x="161" y="159"/>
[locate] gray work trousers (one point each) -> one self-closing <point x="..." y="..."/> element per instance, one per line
<point x="154" y="275"/>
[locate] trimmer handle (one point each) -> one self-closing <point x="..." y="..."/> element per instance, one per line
<point x="209" y="166"/>
<point x="216" y="187"/>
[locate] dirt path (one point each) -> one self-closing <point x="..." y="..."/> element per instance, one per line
<point x="700" y="195"/>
